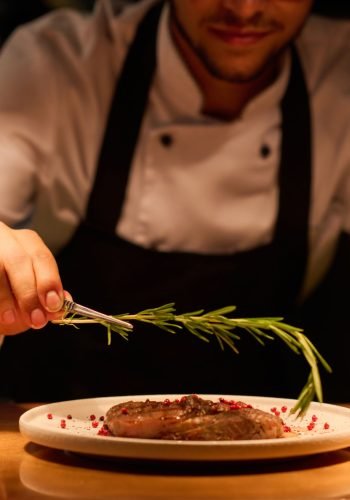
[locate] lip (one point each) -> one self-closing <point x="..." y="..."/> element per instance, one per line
<point x="238" y="37"/>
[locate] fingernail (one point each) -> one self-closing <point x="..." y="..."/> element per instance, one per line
<point x="37" y="318"/>
<point x="53" y="301"/>
<point x="8" y="317"/>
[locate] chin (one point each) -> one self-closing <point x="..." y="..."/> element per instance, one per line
<point x="235" y="75"/>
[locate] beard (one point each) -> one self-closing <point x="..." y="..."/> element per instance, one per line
<point x="236" y="75"/>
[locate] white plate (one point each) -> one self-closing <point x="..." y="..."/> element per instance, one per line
<point x="79" y="435"/>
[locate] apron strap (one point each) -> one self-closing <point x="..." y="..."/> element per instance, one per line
<point x="291" y="230"/>
<point x="123" y="125"/>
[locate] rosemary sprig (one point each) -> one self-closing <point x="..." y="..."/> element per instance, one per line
<point x="219" y="325"/>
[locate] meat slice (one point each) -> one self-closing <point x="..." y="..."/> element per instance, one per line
<point x="192" y="418"/>
<point x="148" y="419"/>
<point x="245" y="423"/>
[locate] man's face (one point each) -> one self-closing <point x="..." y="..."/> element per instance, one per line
<point x="237" y="40"/>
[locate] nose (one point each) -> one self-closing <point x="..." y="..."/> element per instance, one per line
<point x="244" y="8"/>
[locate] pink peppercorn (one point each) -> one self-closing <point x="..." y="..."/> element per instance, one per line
<point x="92" y="417"/>
<point x="314" y="418"/>
<point x="103" y="431"/>
<point x="326" y="425"/>
<point x="94" y="423"/>
<point x="234" y="406"/>
<point x="49" y="416"/>
<point x="69" y="417"/>
<point x="63" y="424"/>
<point x="284" y="409"/>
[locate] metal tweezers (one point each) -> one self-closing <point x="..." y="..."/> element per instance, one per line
<point x="72" y="307"/>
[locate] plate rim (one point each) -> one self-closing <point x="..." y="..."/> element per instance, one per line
<point x="155" y="449"/>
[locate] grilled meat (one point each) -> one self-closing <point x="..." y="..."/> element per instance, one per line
<point x="192" y="418"/>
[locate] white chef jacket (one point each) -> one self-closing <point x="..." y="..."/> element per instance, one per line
<point x="211" y="188"/>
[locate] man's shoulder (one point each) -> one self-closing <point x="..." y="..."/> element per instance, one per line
<point x="79" y="30"/>
<point x="325" y="38"/>
<point x="326" y="31"/>
<point x="324" y="45"/>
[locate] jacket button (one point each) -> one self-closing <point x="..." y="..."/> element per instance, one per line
<point x="265" y="151"/>
<point x="166" y="140"/>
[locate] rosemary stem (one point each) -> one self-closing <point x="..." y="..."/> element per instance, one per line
<point x="223" y="328"/>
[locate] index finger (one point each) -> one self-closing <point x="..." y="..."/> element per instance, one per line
<point x="47" y="278"/>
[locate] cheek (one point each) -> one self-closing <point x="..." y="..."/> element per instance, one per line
<point x="294" y="26"/>
<point x="295" y="12"/>
<point x="190" y="14"/>
<point x="197" y="8"/>
<point x="197" y="4"/>
<point x="291" y="14"/>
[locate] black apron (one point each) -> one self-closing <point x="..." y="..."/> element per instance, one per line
<point x="105" y="272"/>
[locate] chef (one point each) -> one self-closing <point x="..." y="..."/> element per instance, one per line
<point x="187" y="151"/>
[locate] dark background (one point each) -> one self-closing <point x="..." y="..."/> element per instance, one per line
<point x="15" y="12"/>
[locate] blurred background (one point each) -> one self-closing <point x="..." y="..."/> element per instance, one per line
<point x="15" y="12"/>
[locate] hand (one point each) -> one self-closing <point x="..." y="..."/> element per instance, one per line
<point x="31" y="292"/>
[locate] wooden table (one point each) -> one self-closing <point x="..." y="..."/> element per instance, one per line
<point x="29" y="471"/>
